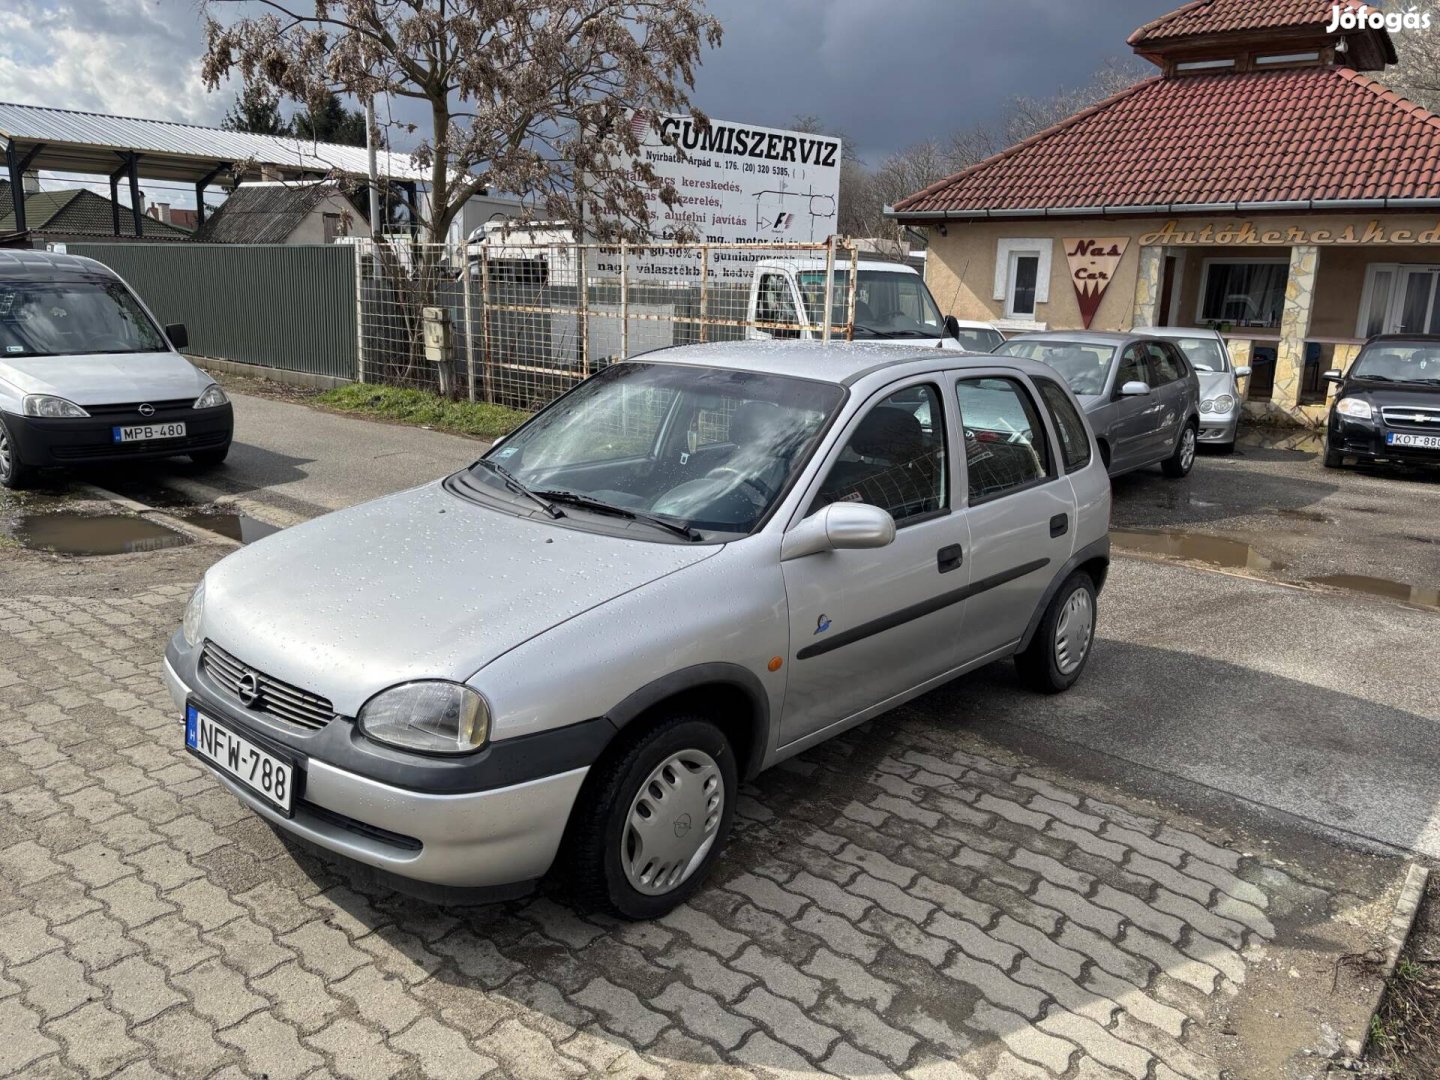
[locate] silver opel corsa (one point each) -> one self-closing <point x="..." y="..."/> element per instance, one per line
<point x="692" y="566"/>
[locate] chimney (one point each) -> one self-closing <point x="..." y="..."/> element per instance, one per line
<point x="32" y="182"/>
<point x="161" y="212"/>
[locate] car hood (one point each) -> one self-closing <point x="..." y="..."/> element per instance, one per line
<point x="1214" y="383"/>
<point x="418" y="585"/>
<point x="1426" y="394"/>
<point x="106" y="378"/>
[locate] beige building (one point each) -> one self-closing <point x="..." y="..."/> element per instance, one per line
<point x="1260" y="183"/>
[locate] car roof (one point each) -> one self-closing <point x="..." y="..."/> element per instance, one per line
<point x="842" y="264"/>
<point x="1092" y="337"/>
<point x="844" y="363"/>
<point x="1180" y="331"/>
<point x="22" y="265"/>
<point x="1419" y="339"/>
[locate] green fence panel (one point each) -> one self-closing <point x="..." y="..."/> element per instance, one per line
<point x="275" y="306"/>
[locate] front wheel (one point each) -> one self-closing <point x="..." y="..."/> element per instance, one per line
<point x="656" y="817"/>
<point x="208" y="459"/>
<point x="1334" y="459"/>
<point x="14" y="473"/>
<point x="1178" y="465"/>
<point x="1058" y="652"/>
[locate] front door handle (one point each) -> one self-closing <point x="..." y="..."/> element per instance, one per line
<point x="1059" y="524"/>
<point x="948" y="558"/>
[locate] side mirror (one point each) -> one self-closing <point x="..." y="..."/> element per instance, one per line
<point x="1333" y="375"/>
<point x="1242" y="371"/>
<point x="1135" y="388"/>
<point x="952" y="327"/>
<point x="840" y="526"/>
<point x="177" y="335"/>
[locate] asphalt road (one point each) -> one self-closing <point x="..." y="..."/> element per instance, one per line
<point x="1205" y="686"/>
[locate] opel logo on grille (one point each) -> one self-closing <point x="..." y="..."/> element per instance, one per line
<point x="147" y="409"/>
<point x="248" y="689"/>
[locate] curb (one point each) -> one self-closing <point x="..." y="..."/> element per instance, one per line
<point x="1396" y="934"/>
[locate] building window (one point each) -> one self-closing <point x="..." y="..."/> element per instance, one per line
<point x="334" y="227"/>
<point x="1287" y="58"/>
<point x="1204" y="65"/>
<point x="1399" y="299"/>
<point x="1022" y="276"/>
<point x="1243" y="292"/>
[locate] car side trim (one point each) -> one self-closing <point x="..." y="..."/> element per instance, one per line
<point x="917" y="611"/>
<point x="1099" y="549"/>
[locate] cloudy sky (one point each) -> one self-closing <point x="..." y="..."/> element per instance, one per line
<point x="886" y="72"/>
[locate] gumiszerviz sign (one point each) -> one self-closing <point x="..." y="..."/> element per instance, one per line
<point x="1092" y="266"/>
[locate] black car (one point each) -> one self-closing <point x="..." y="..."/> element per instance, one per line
<point x="1387" y="408"/>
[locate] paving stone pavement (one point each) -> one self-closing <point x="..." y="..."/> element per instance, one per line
<point x="896" y="902"/>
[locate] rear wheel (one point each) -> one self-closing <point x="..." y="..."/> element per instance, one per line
<point x="14" y="474"/>
<point x="653" y="819"/>
<point x="1179" y="464"/>
<point x="1058" y="652"/>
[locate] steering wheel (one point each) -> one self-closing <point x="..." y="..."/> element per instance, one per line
<point x="760" y="487"/>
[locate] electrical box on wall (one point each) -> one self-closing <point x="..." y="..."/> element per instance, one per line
<point x="436" y="324"/>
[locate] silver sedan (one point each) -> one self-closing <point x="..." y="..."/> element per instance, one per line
<point x="691" y="567"/>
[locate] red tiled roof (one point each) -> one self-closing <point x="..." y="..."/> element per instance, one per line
<point x="1264" y="136"/>
<point x="1228" y="16"/>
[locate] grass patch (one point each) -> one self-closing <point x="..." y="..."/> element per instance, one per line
<point x="421" y="407"/>
<point x="1405" y="1033"/>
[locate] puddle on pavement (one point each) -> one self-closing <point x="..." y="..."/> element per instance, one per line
<point x="241" y="527"/>
<point x="69" y="533"/>
<point x="1301" y="440"/>
<point x="1391" y="590"/>
<point x="1197" y="547"/>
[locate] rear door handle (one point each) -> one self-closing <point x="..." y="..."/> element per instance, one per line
<point x="949" y="558"/>
<point x="1059" y="524"/>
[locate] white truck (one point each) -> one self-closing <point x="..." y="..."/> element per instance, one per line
<point x="892" y="303"/>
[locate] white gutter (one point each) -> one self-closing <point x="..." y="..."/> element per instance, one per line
<point x="1322" y="205"/>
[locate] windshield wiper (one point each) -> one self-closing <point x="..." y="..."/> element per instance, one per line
<point x="508" y="479"/>
<point x="1374" y="378"/>
<point x="599" y="506"/>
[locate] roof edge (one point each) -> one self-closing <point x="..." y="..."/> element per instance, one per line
<point x="1139" y="33"/>
<point x="1162" y="209"/>
<point x="1031" y="140"/>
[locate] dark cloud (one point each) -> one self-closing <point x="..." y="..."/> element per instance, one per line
<point x="892" y="72"/>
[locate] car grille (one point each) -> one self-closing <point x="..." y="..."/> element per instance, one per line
<point x="133" y="408"/>
<point x="105" y="451"/>
<point x="1403" y="416"/>
<point x="278" y="699"/>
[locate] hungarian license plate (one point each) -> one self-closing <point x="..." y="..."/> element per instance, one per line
<point x="145" y="432"/>
<point x="270" y="777"/>
<point x="1420" y="442"/>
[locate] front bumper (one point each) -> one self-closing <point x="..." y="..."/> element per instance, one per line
<point x="1219" y="428"/>
<point x="1366" y="441"/>
<point x="491" y="843"/>
<point x="43" y="442"/>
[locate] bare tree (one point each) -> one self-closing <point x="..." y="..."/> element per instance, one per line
<point x="1026" y="116"/>
<point x="1417" y="75"/>
<point x="521" y="95"/>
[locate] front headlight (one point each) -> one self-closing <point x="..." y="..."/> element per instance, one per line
<point x="194" y="611"/>
<point x="52" y="408"/>
<point x="1356" y="407"/>
<point x="431" y="717"/>
<point x="1224" y="403"/>
<point x="212" y="397"/>
<point x="1207" y="405"/>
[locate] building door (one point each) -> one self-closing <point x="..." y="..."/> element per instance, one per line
<point x="1167" y="289"/>
<point x="1414" y="308"/>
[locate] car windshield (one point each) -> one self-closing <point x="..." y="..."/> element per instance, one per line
<point x="707" y="449"/>
<point x="1084" y="365"/>
<point x="1398" y="361"/>
<point x="69" y="318"/>
<point x="979" y="339"/>
<point x="888" y="303"/>
<point x="1204" y="353"/>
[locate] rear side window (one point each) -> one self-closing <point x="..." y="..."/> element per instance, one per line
<point x="1074" y="439"/>
<point x="1005" y="447"/>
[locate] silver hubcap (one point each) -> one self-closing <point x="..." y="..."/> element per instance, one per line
<point x="1072" y="631"/>
<point x="1187" y="448"/>
<point x="4" y="453"/>
<point x="673" y="822"/>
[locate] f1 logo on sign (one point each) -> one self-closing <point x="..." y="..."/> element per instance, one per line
<point x="1092" y="265"/>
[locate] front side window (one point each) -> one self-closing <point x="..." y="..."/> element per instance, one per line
<point x="1165" y="366"/>
<point x="978" y="339"/>
<point x="777" y="305"/>
<point x="1244" y="293"/>
<point x="71" y="318"/>
<point x="895" y="458"/>
<point x="888" y="303"/>
<point x="710" y="449"/>
<point x="1085" y="366"/>
<point x="1005" y="448"/>
<point x="1074" y="437"/>
<point x="1132" y="367"/>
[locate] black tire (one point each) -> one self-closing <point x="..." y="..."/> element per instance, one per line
<point x="1178" y="465"/>
<point x="1041" y="666"/>
<point x="1333" y="458"/>
<point x="14" y="473"/>
<point x="208" y="459"/>
<point x="593" y="847"/>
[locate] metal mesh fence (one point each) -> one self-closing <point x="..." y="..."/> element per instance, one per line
<point x="528" y="320"/>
